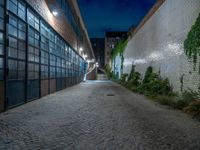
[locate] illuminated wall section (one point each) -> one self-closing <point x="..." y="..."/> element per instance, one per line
<point x="159" y="43"/>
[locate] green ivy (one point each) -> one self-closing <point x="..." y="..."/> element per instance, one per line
<point x="119" y="49"/>
<point x="192" y="43"/>
<point x="134" y="77"/>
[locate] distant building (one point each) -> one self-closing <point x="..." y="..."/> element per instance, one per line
<point x="98" y="45"/>
<point x="111" y="41"/>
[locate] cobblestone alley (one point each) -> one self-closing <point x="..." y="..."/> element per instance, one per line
<point x="99" y="115"/>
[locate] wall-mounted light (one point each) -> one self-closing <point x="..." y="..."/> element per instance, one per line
<point x="85" y="56"/>
<point x="55" y="13"/>
<point x="80" y="49"/>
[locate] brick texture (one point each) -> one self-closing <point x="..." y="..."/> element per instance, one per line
<point x="159" y="43"/>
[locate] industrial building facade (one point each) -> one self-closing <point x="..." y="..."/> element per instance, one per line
<point x="39" y="51"/>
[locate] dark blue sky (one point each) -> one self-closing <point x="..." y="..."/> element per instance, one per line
<point x="102" y="15"/>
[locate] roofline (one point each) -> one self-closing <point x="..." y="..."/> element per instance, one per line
<point x="152" y="11"/>
<point x="83" y="25"/>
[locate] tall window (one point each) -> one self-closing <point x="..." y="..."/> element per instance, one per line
<point x="67" y="60"/>
<point x="52" y="51"/>
<point x="33" y="45"/>
<point x="16" y="47"/>
<point x="33" y="20"/>
<point x="44" y="51"/>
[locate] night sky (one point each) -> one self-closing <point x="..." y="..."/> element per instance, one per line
<point x="120" y="15"/>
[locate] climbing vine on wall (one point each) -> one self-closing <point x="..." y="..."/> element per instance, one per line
<point x="119" y="49"/>
<point x="192" y="43"/>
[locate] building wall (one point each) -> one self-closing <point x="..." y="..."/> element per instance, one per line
<point x="58" y="23"/>
<point x="111" y="40"/>
<point x="98" y="45"/>
<point x="61" y="24"/>
<point x="110" y="43"/>
<point x="35" y="59"/>
<point x="159" y="43"/>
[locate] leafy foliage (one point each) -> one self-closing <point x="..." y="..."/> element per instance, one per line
<point x="134" y="77"/>
<point x="192" y="43"/>
<point x="193" y="108"/>
<point x="123" y="78"/>
<point x="153" y="84"/>
<point x="161" y="91"/>
<point x="119" y="49"/>
<point x="108" y="71"/>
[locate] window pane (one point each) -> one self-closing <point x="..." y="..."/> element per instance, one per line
<point x="1" y="63"/>
<point x="31" y="40"/>
<point x="12" y="42"/>
<point x="1" y="37"/>
<point x="21" y="10"/>
<point x="36" y="59"/>
<point x="12" y="65"/>
<point x="36" y="71"/>
<point x="1" y="12"/>
<point x="21" y="45"/>
<point x="22" y="26"/>
<point x="33" y="20"/>
<point x="31" y="71"/>
<point x="12" y="30"/>
<point x="21" y="70"/>
<point x="13" y="20"/>
<point x="1" y="2"/>
<point x="12" y="52"/>
<point x="21" y="55"/>
<point x="31" y="57"/>
<point x="12" y="6"/>
<point x="21" y="35"/>
<point x="1" y="24"/>
<point x="37" y="52"/>
<point x="1" y="50"/>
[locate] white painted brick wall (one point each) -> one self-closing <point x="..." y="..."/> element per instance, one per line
<point x="159" y="43"/>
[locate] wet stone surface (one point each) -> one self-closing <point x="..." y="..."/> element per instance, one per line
<point x="84" y="117"/>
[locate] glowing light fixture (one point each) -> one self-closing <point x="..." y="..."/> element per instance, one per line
<point x="84" y="57"/>
<point x="55" y="13"/>
<point x="81" y="49"/>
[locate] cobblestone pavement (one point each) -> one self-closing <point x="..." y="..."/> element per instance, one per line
<point x="97" y="116"/>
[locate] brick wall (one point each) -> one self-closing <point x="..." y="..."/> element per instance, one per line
<point x="159" y="43"/>
<point x="58" y="23"/>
